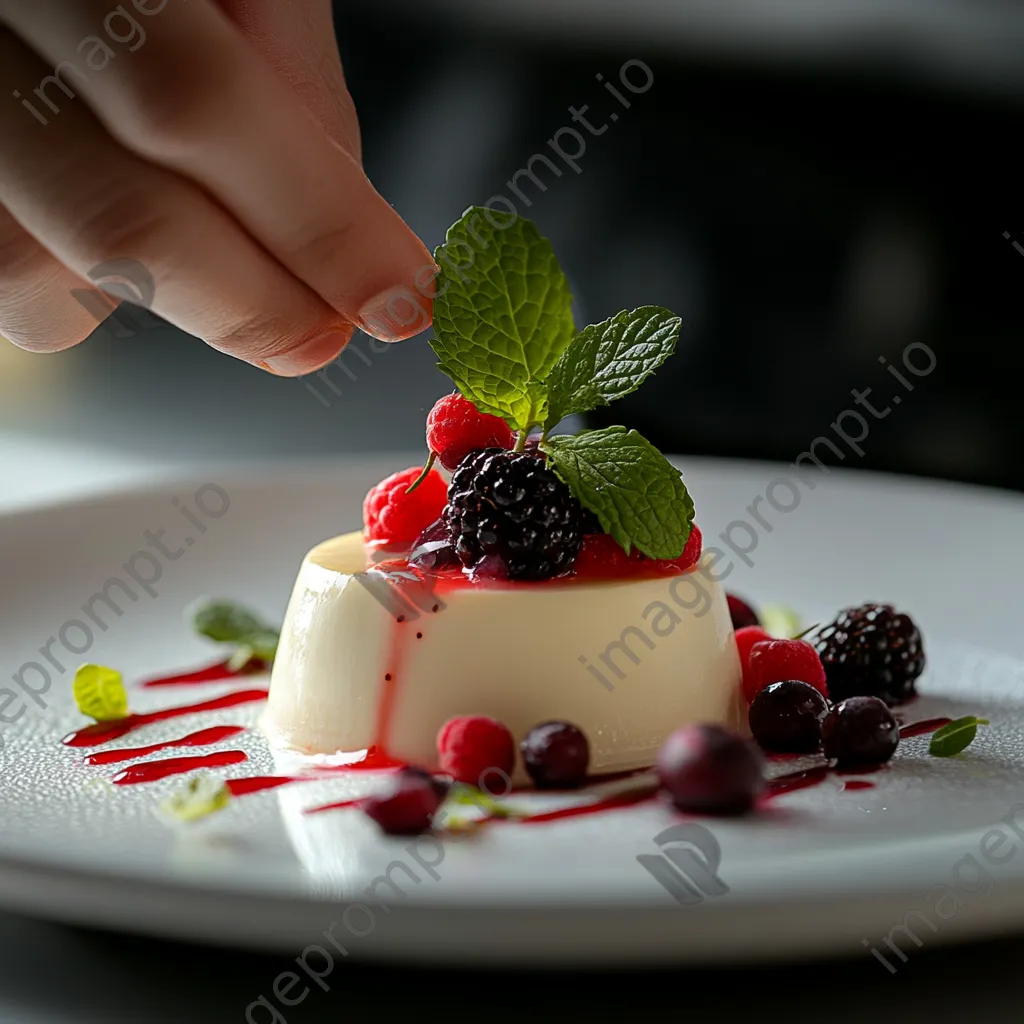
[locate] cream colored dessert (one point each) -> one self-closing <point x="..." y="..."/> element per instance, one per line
<point x="627" y="660"/>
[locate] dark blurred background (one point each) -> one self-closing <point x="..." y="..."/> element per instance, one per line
<point x="812" y="187"/>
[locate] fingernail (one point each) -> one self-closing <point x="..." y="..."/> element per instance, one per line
<point x="311" y="355"/>
<point x="395" y="314"/>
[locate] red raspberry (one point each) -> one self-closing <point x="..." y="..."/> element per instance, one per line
<point x="393" y="518"/>
<point x="470" y="745"/>
<point x="745" y="640"/>
<point x="602" y="556"/>
<point x="772" y="661"/>
<point x="455" y="428"/>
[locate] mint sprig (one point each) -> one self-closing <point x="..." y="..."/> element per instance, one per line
<point x="955" y="737"/>
<point x="636" y="493"/>
<point x="227" y="622"/>
<point x="503" y="314"/>
<point x="610" y="360"/>
<point x="504" y="333"/>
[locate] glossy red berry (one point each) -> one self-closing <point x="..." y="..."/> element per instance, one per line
<point x="772" y="661"/>
<point x="455" y="428"/>
<point x="705" y="769"/>
<point x="478" y="751"/>
<point x="408" y="806"/>
<point x="745" y="640"/>
<point x="556" y="755"/>
<point x="392" y="518"/>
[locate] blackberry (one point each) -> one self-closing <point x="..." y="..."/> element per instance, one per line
<point x="871" y="651"/>
<point x="511" y="507"/>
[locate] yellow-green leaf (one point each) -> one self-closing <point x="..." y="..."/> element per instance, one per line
<point x="201" y="796"/>
<point x="99" y="693"/>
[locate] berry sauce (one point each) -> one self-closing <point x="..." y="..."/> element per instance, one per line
<point x="924" y="727"/>
<point x="151" y="771"/>
<point x="202" y="738"/>
<point x="103" y="732"/>
<point x="858" y="784"/>
<point x="211" y="674"/>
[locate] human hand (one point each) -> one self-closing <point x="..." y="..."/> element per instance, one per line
<point x="216" y="145"/>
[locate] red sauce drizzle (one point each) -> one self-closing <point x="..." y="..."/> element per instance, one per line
<point x="609" y="803"/>
<point x="858" y="784"/>
<point x="258" y="783"/>
<point x="202" y="738"/>
<point x="210" y="674"/>
<point x="920" y="728"/>
<point x="793" y="781"/>
<point x="335" y="806"/>
<point x="151" y="771"/>
<point x="103" y="732"/>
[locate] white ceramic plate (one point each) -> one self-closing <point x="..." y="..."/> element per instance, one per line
<point x="827" y="870"/>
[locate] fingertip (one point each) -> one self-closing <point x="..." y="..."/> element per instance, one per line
<point x="310" y="355"/>
<point x="397" y="313"/>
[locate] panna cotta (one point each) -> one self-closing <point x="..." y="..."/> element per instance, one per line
<point x="382" y="655"/>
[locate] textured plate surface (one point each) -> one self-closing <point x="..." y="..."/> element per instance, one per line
<point x="826" y="868"/>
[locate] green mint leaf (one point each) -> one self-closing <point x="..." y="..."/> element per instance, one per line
<point x="201" y="796"/>
<point x="99" y="693"/>
<point x="502" y="315"/>
<point x="636" y="493"/>
<point x="958" y="735"/>
<point x="609" y="360"/>
<point x="227" y="622"/>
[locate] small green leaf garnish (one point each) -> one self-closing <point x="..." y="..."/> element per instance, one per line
<point x="951" y="739"/>
<point x="503" y="314"/>
<point x="99" y="693"/>
<point x="201" y="796"/>
<point x="226" y="622"/>
<point x="609" y="360"/>
<point x="637" y="495"/>
<point x="461" y="795"/>
<point x="779" y="621"/>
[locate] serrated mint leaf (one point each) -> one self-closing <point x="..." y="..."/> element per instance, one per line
<point x="227" y="622"/>
<point x="636" y="493"/>
<point x="958" y="735"/>
<point x="99" y="693"/>
<point x="502" y="315"/>
<point x="609" y="360"/>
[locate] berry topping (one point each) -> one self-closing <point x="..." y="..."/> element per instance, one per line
<point x="393" y="518"/>
<point x="432" y="549"/>
<point x="860" y="731"/>
<point x="772" y="661"/>
<point x="707" y="770"/>
<point x="509" y="504"/>
<point x="786" y="717"/>
<point x="408" y="807"/>
<point x="602" y="556"/>
<point x="741" y="612"/>
<point x="478" y="751"/>
<point x="556" y="755"/>
<point x="871" y="651"/>
<point x="455" y="428"/>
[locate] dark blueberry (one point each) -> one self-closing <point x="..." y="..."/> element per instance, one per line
<point x="871" y="651"/>
<point x="556" y="755"/>
<point x="408" y="806"/>
<point x="860" y="731"/>
<point x="707" y="770"/>
<point x="741" y="612"/>
<point x="786" y="717"/>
